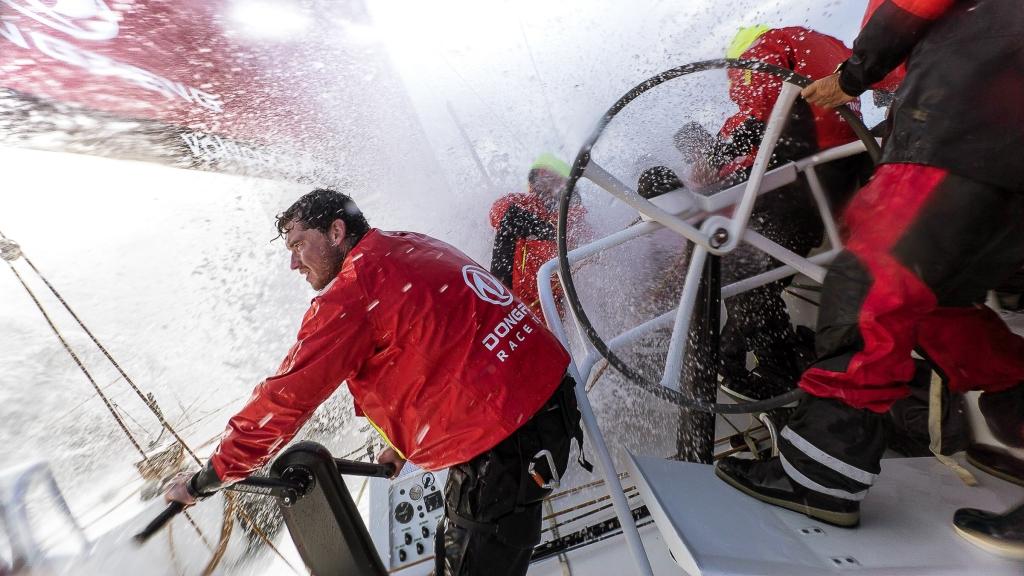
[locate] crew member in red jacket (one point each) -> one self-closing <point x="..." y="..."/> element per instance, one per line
<point x="452" y="369"/>
<point x="810" y="128"/>
<point x="525" y="225"/>
<point x="757" y="319"/>
<point x="940" y="223"/>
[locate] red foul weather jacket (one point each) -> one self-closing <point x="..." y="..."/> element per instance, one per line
<point x="439" y="355"/>
<point x="524" y="241"/>
<point x="810" y="128"/>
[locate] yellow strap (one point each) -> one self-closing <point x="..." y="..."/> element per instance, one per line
<point x="385" y="437"/>
<point x="935" y="432"/>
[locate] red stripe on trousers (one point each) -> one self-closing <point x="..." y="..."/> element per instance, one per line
<point x="877" y="217"/>
<point x="972" y="346"/>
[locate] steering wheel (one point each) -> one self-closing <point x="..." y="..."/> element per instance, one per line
<point x="577" y="172"/>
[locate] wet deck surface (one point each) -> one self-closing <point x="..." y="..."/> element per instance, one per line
<point x="906" y="524"/>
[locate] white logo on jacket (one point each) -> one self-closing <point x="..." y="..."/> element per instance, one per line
<point x="506" y="337"/>
<point x="486" y="286"/>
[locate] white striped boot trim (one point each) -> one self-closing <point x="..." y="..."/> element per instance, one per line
<point x="827" y="460"/>
<point x="806" y="482"/>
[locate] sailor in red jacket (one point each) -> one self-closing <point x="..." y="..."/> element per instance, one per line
<point x="758" y="321"/>
<point x="525" y="225"/>
<point x="940" y="223"/>
<point x="810" y="128"/>
<point x="452" y="369"/>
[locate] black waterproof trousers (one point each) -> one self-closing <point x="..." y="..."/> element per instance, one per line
<point x="758" y="321"/>
<point x="924" y="247"/>
<point x="493" y="505"/>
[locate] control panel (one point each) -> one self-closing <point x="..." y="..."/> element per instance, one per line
<point x="416" y="505"/>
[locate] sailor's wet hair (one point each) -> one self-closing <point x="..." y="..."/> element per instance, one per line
<point x="319" y="208"/>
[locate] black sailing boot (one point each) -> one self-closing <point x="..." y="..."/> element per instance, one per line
<point x="758" y="384"/>
<point x="1001" y="534"/>
<point x="1004" y="414"/>
<point x="780" y="363"/>
<point x="768" y="482"/>
<point x="997" y="462"/>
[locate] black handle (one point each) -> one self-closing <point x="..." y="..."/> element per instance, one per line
<point x="172" y="510"/>
<point x="353" y="468"/>
<point x="862" y="132"/>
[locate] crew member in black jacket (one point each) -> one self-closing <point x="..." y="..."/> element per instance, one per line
<point x="941" y="222"/>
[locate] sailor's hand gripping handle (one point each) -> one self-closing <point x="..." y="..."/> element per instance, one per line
<point x="286" y="489"/>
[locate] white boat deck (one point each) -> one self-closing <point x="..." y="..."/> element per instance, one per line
<point x="906" y="524"/>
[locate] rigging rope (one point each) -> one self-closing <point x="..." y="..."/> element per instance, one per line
<point x="147" y="400"/>
<point x="227" y="525"/>
<point x="174" y="553"/>
<point x="78" y="361"/>
<point x="10" y="251"/>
